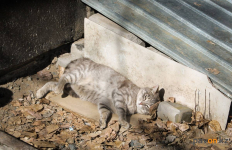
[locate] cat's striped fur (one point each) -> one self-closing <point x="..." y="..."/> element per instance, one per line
<point x="103" y="86"/>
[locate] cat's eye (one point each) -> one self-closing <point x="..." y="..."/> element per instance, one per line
<point x="146" y="96"/>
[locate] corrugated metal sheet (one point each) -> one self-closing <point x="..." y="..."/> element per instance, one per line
<point x="196" y="33"/>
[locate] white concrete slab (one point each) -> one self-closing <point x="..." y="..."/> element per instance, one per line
<point x="147" y="68"/>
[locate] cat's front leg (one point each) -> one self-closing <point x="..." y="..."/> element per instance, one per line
<point x="104" y="114"/>
<point x="121" y="110"/>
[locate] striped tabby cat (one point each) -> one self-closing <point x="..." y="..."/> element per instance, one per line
<point x="103" y="86"/>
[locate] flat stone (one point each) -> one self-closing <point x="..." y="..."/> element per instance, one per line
<point x="112" y="26"/>
<point x="174" y="112"/>
<point x="90" y="110"/>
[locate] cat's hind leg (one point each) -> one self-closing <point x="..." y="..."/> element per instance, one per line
<point x="50" y="86"/>
<point x="105" y="113"/>
<point x="56" y="87"/>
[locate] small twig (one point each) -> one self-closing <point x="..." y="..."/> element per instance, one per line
<point x="195" y="103"/>
<point x="205" y="103"/>
<point x="210" y="117"/>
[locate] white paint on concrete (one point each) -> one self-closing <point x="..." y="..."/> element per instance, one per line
<point x="112" y="26"/>
<point x="145" y="67"/>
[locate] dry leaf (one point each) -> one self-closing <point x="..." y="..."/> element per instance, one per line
<point x="57" y="139"/>
<point x="38" y="122"/>
<point x="65" y="134"/>
<point x="106" y="133"/>
<point x="39" y="128"/>
<point x="199" y="116"/>
<point x="95" y="134"/>
<point x="47" y="113"/>
<point x="112" y="122"/>
<point x="16" y="103"/>
<point x="171" y="99"/>
<point x="65" y="126"/>
<point x="28" y="134"/>
<point x="213" y="71"/>
<point x="161" y="124"/>
<point x="183" y="127"/>
<point x="211" y="42"/>
<point x="29" y="113"/>
<point x="115" y="127"/>
<point x="44" y="144"/>
<point x="36" y="107"/>
<point x="169" y="124"/>
<point x="214" y="126"/>
<point x="52" y="128"/>
<point x="44" y="101"/>
<point x="17" y="134"/>
<point x="86" y="129"/>
<point x="195" y="3"/>
<point x="154" y="107"/>
<point x="100" y="140"/>
<point x="174" y="126"/>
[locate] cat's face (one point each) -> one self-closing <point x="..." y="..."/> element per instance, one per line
<point x="146" y="98"/>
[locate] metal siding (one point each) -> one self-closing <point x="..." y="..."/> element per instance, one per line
<point x="195" y="33"/>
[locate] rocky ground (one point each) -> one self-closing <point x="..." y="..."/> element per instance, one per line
<point x="45" y="125"/>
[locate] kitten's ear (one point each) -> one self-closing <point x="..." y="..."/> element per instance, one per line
<point x="155" y="89"/>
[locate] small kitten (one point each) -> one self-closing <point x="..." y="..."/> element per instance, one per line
<point x="105" y="87"/>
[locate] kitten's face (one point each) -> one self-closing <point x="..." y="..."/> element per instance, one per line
<point x="146" y="98"/>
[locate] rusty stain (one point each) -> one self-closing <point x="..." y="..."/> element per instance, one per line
<point x="214" y="71"/>
<point x="195" y="3"/>
<point x="211" y="42"/>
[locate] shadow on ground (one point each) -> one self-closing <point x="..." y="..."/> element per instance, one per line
<point x="5" y="96"/>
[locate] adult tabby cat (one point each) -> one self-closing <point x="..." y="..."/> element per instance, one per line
<point x="105" y="87"/>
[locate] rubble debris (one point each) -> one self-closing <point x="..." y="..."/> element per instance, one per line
<point x="46" y="125"/>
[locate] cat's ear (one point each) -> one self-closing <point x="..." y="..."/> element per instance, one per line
<point x="155" y="89"/>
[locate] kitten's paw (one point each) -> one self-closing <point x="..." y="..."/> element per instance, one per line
<point x="102" y="125"/>
<point x="125" y="125"/>
<point x="39" y="93"/>
<point x="57" y="91"/>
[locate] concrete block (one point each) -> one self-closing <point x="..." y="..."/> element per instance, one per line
<point x="110" y="25"/>
<point x="147" y="68"/>
<point x="174" y="112"/>
<point x="76" y="52"/>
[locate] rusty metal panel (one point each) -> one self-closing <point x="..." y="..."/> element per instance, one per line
<point x="195" y="33"/>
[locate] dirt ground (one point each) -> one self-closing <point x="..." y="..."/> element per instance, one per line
<point x="46" y="125"/>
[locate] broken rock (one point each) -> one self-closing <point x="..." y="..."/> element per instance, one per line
<point x="174" y="112"/>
